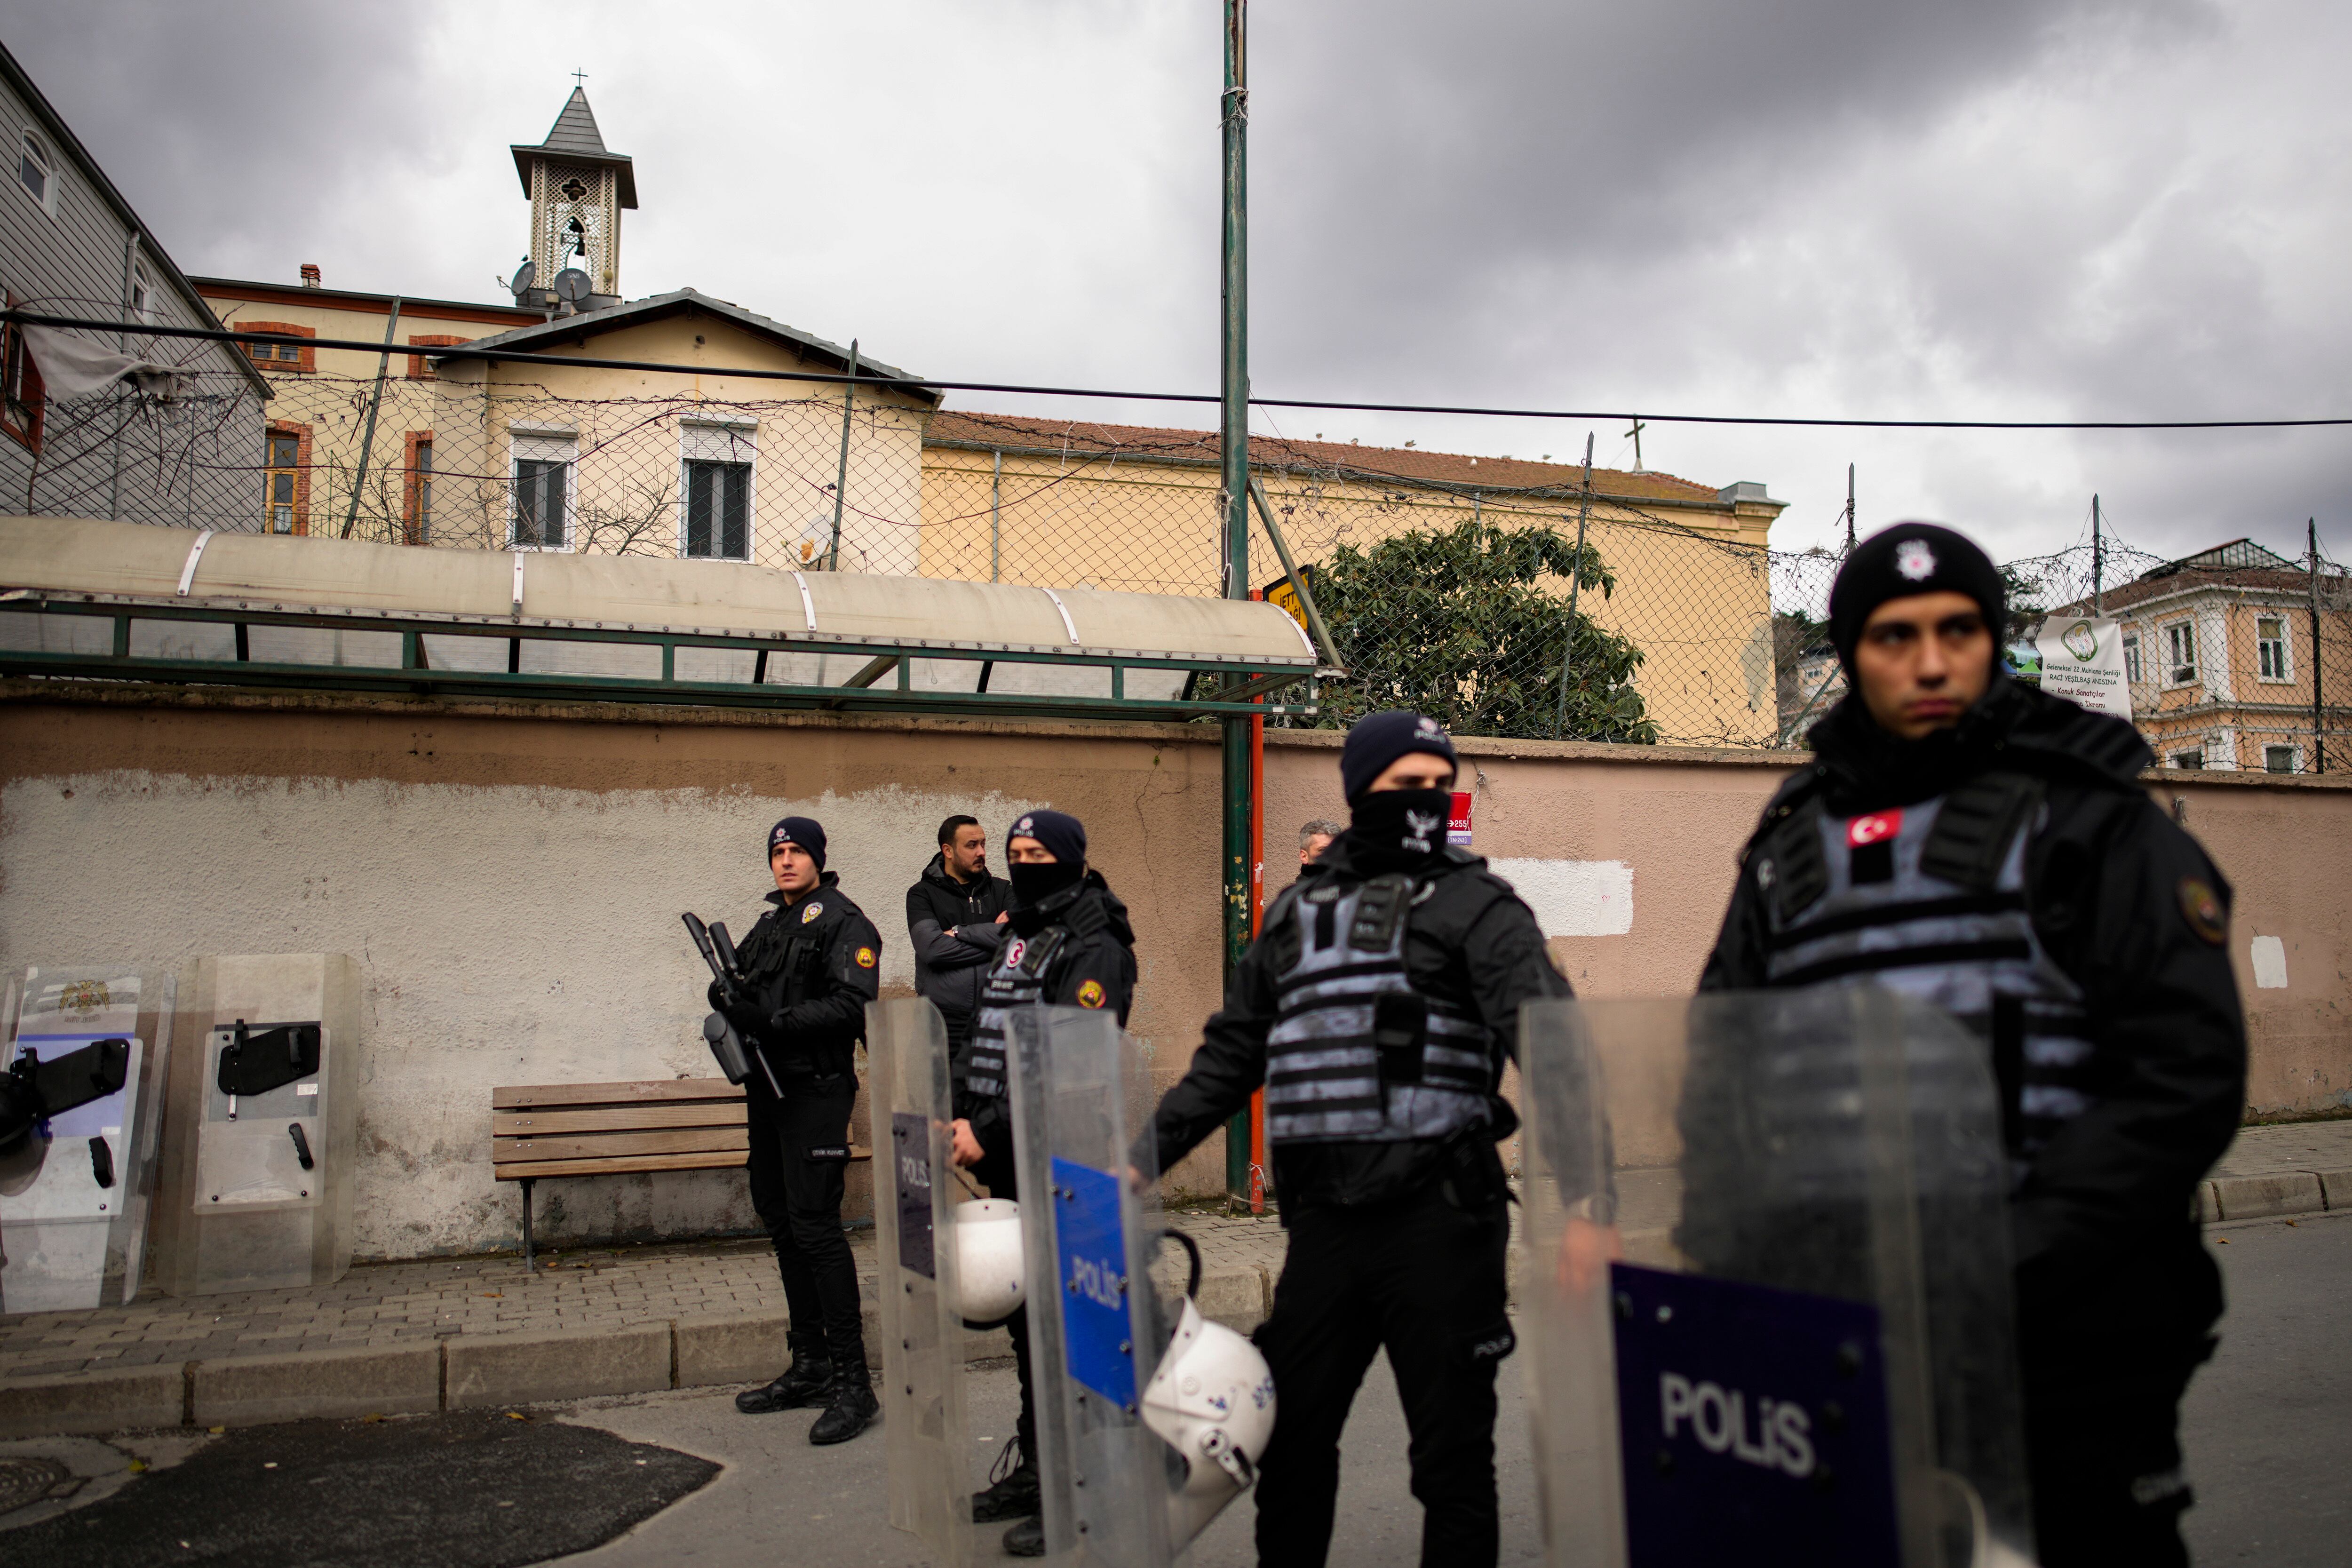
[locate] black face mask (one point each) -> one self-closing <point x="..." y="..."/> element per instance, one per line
<point x="1402" y="821"/>
<point x="1032" y="884"/>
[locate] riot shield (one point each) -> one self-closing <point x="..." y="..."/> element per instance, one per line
<point x="923" y="1426"/>
<point x="1806" y="1353"/>
<point x="1112" y="1488"/>
<point x="86" y="1048"/>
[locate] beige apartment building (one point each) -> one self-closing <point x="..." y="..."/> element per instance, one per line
<point x="2218" y="650"/>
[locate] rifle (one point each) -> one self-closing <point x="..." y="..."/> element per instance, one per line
<point x="734" y="1060"/>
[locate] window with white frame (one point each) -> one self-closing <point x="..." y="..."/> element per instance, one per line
<point x="2271" y="646"/>
<point x="2279" y="760"/>
<point x="143" y="292"/>
<point x="2131" y="658"/>
<point x="2191" y="760"/>
<point x="2181" y="653"/>
<point x="37" y="173"/>
<point x="715" y="483"/>
<point x="540" y="517"/>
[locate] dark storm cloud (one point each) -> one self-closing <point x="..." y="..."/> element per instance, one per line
<point x="233" y="128"/>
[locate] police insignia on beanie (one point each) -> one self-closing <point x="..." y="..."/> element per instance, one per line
<point x="1908" y="559"/>
<point x="1915" y="560"/>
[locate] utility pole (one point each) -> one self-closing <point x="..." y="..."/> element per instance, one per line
<point x="2098" y="563"/>
<point x="1848" y="509"/>
<point x="2319" y="735"/>
<point x="1233" y="501"/>
<point x="376" y="401"/>
<point x="1575" y="581"/>
<point x="840" y="476"/>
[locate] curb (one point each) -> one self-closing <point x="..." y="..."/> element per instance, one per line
<point x="2276" y="1192"/>
<point x="474" y="1370"/>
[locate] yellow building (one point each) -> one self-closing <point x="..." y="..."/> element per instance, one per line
<point x="683" y="432"/>
<point x="1051" y="501"/>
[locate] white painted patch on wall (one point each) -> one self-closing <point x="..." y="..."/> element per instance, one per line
<point x="1574" y="898"/>
<point x="2270" y="963"/>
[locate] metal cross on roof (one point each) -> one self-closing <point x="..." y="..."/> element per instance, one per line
<point x="581" y="78"/>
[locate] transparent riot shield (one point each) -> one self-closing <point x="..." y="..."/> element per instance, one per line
<point x="1805" y="1353"/>
<point x="74" y="1197"/>
<point x="257" y="1186"/>
<point x="923" y="1426"/>
<point x="1112" y="1488"/>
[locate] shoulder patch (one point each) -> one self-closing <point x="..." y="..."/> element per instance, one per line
<point x="2201" y="908"/>
<point x="810" y="912"/>
<point x="864" y="958"/>
<point x="1090" y="994"/>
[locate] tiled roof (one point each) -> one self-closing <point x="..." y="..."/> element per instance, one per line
<point x="1449" y="468"/>
<point x="575" y="136"/>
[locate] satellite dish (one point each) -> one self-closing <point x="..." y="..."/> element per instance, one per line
<point x="525" y="276"/>
<point x="572" y="286"/>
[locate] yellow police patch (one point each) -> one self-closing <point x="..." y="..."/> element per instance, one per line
<point x="811" y="913"/>
<point x="2203" y="912"/>
<point x="1090" y="994"/>
<point x="864" y="958"/>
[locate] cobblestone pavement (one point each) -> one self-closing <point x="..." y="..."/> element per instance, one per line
<point x="596" y="1288"/>
<point x="394" y="1303"/>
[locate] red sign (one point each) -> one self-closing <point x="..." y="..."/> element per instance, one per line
<point x="1870" y="829"/>
<point x="1457" y="821"/>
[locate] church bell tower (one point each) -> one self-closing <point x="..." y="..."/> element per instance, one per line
<point x="577" y="191"/>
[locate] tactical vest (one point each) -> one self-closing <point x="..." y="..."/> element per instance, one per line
<point x="1024" y="969"/>
<point x="1356" y="1055"/>
<point x="1929" y="900"/>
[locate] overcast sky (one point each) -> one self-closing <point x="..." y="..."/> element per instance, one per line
<point x="2003" y="209"/>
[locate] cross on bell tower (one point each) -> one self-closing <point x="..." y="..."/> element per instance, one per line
<point x="577" y="190"/>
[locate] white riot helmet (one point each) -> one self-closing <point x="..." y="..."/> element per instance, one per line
<point x="987" y="1261"/>
<point x="1213" y="1401"/>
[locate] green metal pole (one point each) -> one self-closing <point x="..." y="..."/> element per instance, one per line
<point x="841" y="477"/>
<point x="1233" y="501"/>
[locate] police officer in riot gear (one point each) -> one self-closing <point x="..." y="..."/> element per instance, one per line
<point x="1376" y="1008"/>
<point x="1069" y="944"/>
<point x="809" y="967"/>
<point x="1966" y="840"/>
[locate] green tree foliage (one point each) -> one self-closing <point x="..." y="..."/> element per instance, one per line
<point x="1456" y="625"/>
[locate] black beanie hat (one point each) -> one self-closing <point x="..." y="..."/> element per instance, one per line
<point x="804" y="831"/>
<point x="1379" y="739"/>
<point x="1064" y="836"/>
<point x="1912" y="558"/>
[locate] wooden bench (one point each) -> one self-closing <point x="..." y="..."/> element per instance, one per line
<point x="615" y="1129"/>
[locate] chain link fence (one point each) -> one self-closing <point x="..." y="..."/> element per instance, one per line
<point x="1500" y="595"/>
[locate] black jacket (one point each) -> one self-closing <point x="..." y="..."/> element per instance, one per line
<point x="1471" y="943"/>
<point x="813" y="966"/>
<point x="1094" y="969"/>
<point x="2112" y="886"/>
<point x="950" y="970"/>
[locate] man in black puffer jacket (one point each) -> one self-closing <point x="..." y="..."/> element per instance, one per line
<point x="1069" y="946"/>
<point x="956" y="918"/>
<point x="1969" y="841"/>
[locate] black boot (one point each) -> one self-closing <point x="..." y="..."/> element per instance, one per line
<point x="1026" y="1539"/>
<point x="808" y="1381"/>
<point x="853" y="1409"/>
<point x="1012" y="1495"/>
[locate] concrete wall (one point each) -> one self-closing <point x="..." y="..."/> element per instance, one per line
<point x="509" y="880"/>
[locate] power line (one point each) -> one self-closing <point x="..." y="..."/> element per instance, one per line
<point x="580" y="361"/>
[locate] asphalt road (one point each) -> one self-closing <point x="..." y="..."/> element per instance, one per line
<point x="2268" y="1430"/>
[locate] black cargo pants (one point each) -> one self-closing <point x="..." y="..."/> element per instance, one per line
<point x="1424" y="1280"/>
<point x="798" y="1163"/>
<point x="995" y="1172"/>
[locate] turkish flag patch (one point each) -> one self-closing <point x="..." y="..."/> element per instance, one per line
<point x="1877" y="827"/>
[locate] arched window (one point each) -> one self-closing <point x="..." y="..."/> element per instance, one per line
<point x="38" y="172"/>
